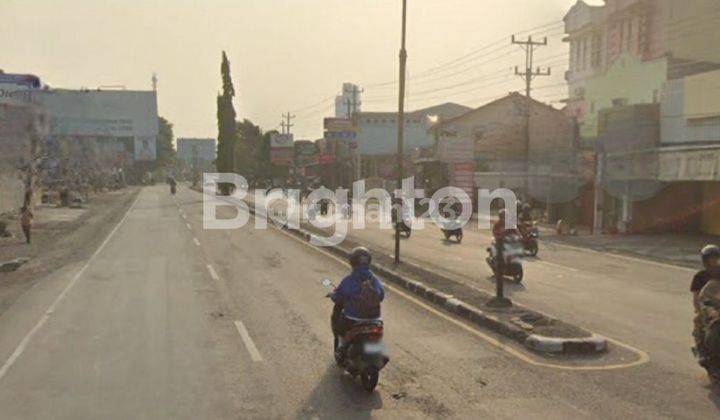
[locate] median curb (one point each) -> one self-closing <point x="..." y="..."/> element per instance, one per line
<point x="557" y="345"/>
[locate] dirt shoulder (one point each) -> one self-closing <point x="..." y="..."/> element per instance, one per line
<point x="60" y="236"/>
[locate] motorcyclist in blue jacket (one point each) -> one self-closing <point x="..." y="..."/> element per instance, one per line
<point x="358" y="296"/>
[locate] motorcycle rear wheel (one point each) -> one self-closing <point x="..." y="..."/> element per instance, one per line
<point x="533" y="249"/>
<point x="336" y="355"/>
<point x="518" y="277"/>
<point x="369" y="378"/>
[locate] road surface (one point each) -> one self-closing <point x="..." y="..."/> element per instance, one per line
<point x="168" y="320"/>
<point x="643" y="303"/>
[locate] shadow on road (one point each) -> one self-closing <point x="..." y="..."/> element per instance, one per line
<point x="338" y="395"/>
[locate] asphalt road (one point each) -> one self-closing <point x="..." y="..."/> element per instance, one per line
<point x="168" y="320"/>
<point x="642" y="303"/>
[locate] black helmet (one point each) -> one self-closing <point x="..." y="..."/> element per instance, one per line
<point x="360" y="256"/>
<point x="710" y="251"/>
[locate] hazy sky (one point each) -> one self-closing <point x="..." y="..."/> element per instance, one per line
<point x="285" y="54"/>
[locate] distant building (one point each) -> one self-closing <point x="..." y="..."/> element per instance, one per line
<point x="348" y="100"/>
<point x="641" y="82"/>
<point x="377" y="136"/>
<point x="196" y="153"/>
<point x="492" y="140"/>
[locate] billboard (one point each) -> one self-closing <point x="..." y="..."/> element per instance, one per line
<point x="282" y="150"/>
<point x="115" y="114"/>
<point x="338" y="124"/>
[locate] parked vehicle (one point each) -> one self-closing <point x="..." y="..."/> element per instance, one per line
<point x="364" y="354"/>
<point x="512" y="252"/>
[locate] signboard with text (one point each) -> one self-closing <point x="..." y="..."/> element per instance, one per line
<point x="282" y="150"/>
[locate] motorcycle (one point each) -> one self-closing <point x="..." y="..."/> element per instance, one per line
<point x="709" y="318"/>
<point x="364" y="353"/>
<point x="530" y="235"/>
<point x="456" y="232"/>
<point x="405" y="228"/>
<point x="512" y="252"/>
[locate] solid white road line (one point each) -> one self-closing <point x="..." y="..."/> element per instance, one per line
<point x="20" y="349"/>
<point x="197" y="243"/>
<point x="187" y="225"/>
<point x="213" y="274"/>
<point x="249" y="344"/>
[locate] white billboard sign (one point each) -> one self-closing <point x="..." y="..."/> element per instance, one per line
<point x="120" y="114"/>
<point x="281" y="141"/>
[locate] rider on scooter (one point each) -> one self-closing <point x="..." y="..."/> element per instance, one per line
<point x="357" y="298"/>
<point x="710" y="255"/>
<point x="499" y="227"/>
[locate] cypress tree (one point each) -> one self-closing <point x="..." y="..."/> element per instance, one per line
<point x="227" y="130"/>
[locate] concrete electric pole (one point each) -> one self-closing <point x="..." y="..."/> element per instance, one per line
<point x="400" y="129"/>
<point x="529" y="74"/>
<point x="285" y="124"/>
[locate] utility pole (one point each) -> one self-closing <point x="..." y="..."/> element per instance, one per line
<point x="529" y="74"/>
<point x="352" y="106"/>
<point x="400" y="130"/>
<point x="285" y="124"/>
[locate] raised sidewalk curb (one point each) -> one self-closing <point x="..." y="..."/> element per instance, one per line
<point x="591" y="344"/>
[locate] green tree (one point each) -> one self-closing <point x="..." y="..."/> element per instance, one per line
<point x="165" y="148"/>
<point x="250" y="137"/>
<point x="262" y="156"/>
<point x="227" y="130"/>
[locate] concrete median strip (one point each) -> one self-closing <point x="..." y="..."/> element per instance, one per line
<point x="513" y="327"/>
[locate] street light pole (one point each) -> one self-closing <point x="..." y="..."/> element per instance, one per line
<point x="400" y="129"/>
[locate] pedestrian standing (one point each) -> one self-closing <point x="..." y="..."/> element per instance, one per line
<point x="26" y="220"/>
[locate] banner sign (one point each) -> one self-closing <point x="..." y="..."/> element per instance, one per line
<point x="340" y="135"/>
<point x="338" y="124"/>
<point x="282" y="156"/>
